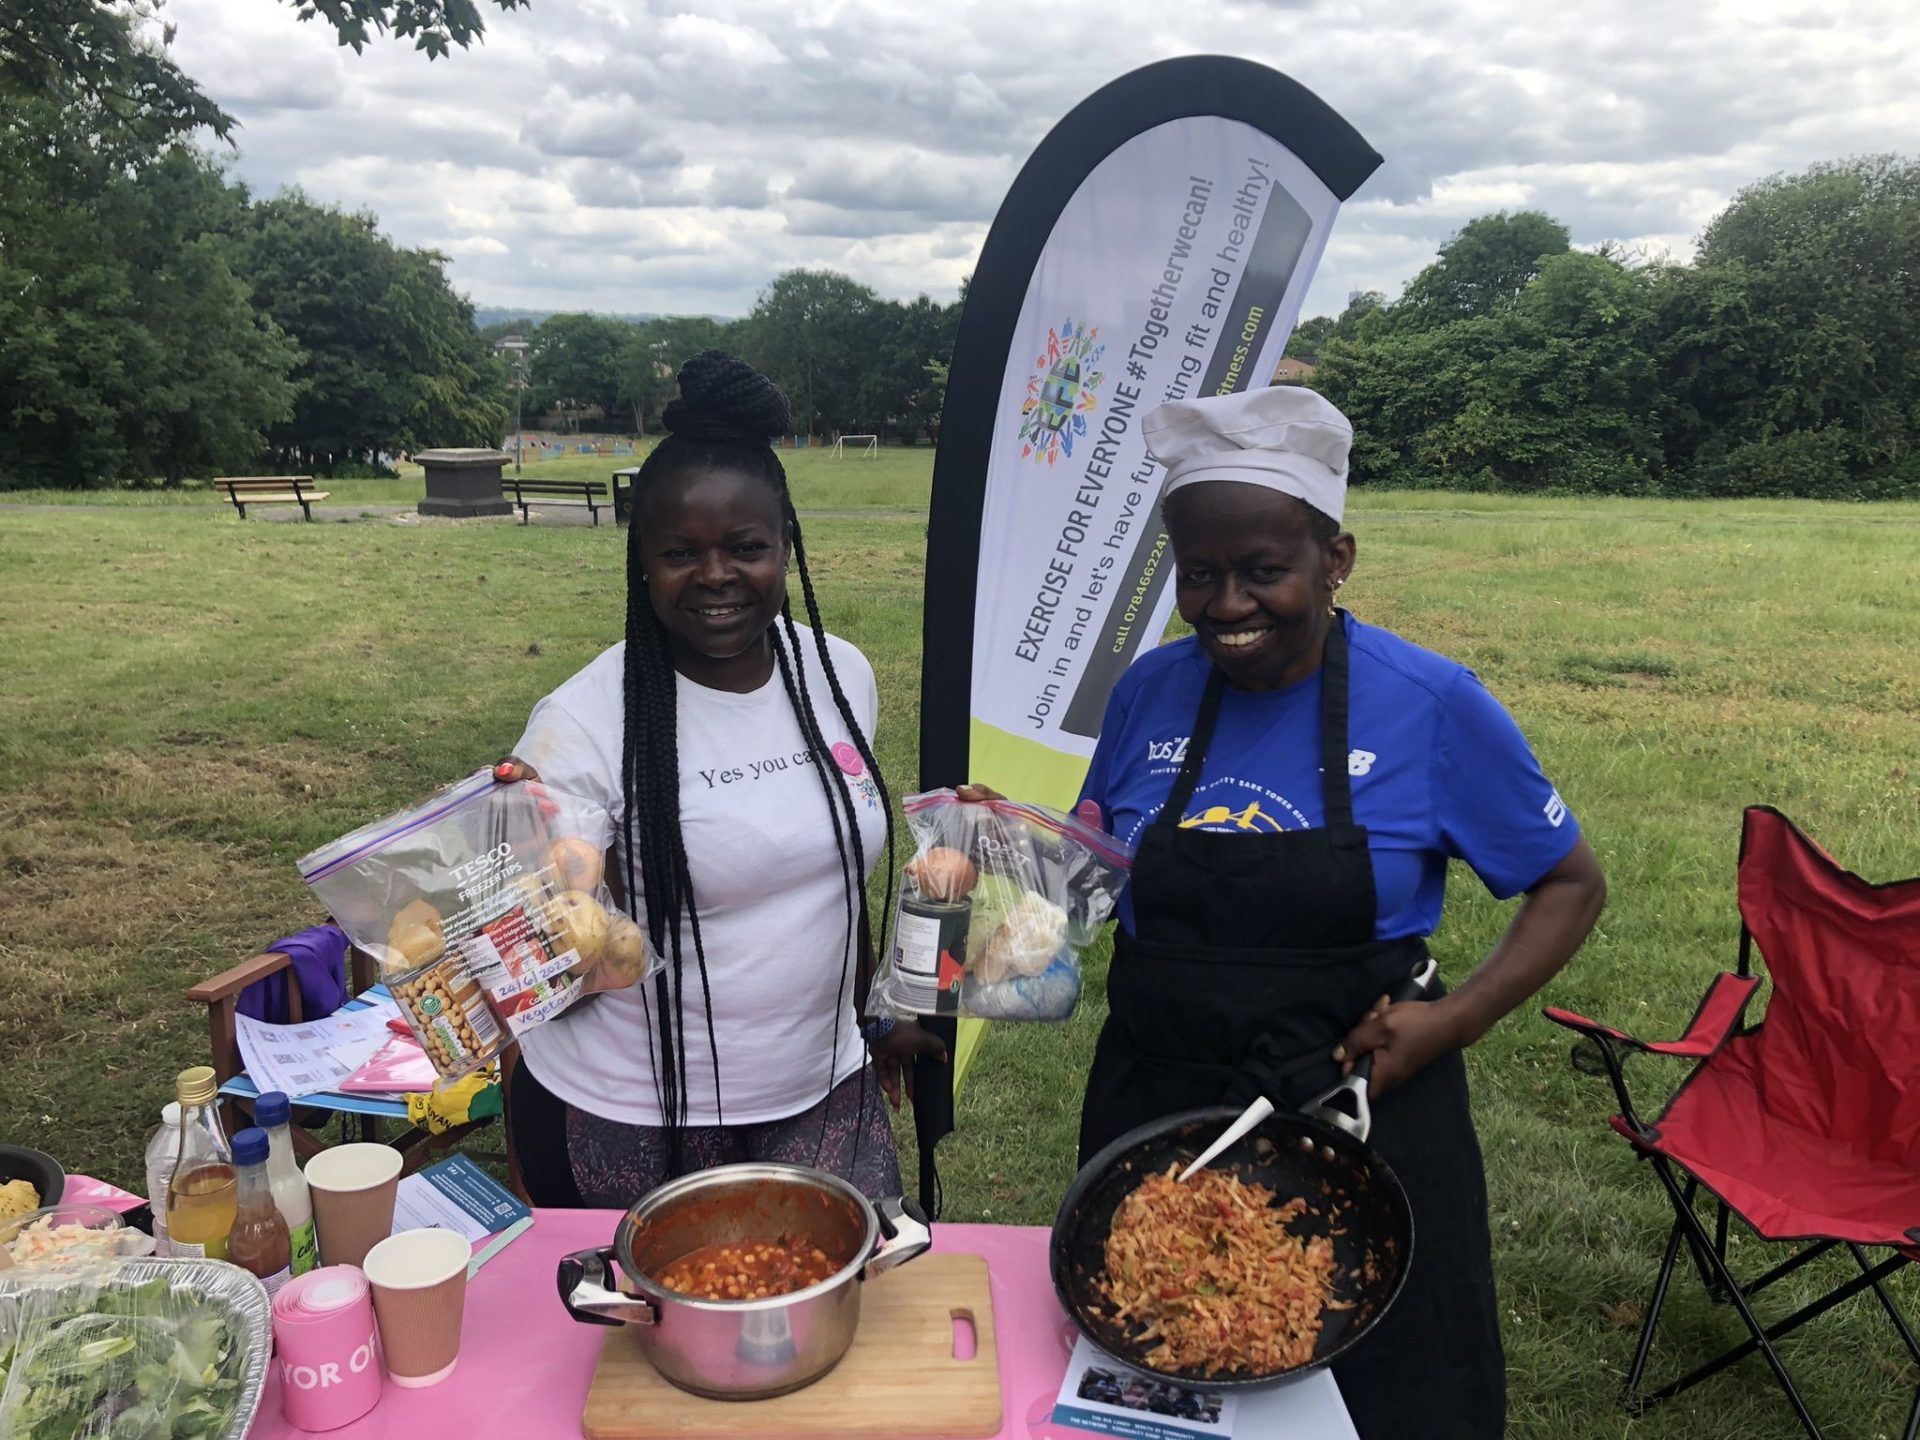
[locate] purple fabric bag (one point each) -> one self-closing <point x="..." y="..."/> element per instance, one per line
<point x="319" y="968"/>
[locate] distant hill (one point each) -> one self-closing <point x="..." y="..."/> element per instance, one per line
<point x="485" y="315"/>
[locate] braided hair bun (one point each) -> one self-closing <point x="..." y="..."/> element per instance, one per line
<point x="723" y="400"/>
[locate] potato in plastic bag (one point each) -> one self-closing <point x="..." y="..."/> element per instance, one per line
<point x="487" y="909"/>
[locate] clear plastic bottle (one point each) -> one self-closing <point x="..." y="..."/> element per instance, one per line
<point x="163" y="1148"/>
<point x="258" y="1242"/>
<point x="274" y="1112"/>
<point x="201" y="1191"/>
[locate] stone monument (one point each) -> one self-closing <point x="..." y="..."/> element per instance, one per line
<point x="464" y="483"/>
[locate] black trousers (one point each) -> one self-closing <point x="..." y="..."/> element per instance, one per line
<point x="1433" y="1368"/>
<point x="539" y="1121"/>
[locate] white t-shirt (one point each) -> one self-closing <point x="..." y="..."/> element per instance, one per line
<point x="767" y="884"/>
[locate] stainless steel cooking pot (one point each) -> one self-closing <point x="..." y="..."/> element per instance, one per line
<point x="743" y="1349"/>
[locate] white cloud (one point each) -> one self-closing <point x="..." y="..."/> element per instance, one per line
<point x="674" y="155"/>
<point x="470" y="245"/>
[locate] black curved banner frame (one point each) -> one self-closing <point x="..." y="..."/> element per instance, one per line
<point x="1200" y="85"/>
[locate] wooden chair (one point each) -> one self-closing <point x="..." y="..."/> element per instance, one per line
<point x="221" y="993"/>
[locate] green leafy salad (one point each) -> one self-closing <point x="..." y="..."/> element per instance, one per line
<point x="151" y="1361"/>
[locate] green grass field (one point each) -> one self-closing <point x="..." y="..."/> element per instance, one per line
<point x="190" y="703"/>
<point x="893" y="478"/>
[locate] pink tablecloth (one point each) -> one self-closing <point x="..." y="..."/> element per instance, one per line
<point x="514" y="1312"/>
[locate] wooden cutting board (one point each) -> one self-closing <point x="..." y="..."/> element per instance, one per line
<point x="899" y="1379"/>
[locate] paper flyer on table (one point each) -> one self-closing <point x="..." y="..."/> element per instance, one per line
<point x="313" y="1056"/>
<point x="456" y="1194"/>
<point x="1100" y="1397"/>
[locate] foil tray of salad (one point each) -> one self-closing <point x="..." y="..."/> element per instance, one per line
<point x="133" y="1350"/>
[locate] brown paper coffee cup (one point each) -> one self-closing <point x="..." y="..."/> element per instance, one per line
<point x="419" y="1280"/>
<point x="353" y="1188"/>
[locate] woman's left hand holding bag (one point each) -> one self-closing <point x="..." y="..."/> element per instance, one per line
<point x="894" y="1053"/>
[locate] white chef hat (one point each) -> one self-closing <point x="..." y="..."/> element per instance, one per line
<point x="1284" y="437"/>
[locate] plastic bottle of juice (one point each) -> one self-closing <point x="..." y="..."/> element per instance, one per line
<point x="201" y="1194"/>
<point x="259" y="1241"/>
<point x="163" y="1148"/>
<point x="273" y="1111"/>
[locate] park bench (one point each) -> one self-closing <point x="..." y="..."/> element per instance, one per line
<point x="245" y="490"/>
<point x="592" y="494"/>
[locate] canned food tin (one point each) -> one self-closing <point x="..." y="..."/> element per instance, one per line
<point x="929" y="955"/>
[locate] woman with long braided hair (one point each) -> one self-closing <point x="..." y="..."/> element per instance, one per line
<point x="733" y="746"/>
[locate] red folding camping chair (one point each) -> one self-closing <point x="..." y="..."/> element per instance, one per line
<point x="1806" y="1126"/>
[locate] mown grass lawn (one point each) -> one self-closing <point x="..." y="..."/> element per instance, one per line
<point x="893" y="478"/>
<point x="186" y="704"/>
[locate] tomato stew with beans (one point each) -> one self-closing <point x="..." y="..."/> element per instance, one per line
<point x="748" y="1269"/>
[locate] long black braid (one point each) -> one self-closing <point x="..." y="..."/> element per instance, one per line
<point x="723" y="418"/>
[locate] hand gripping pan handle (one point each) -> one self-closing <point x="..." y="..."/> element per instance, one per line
<point x="1353" y="1087"/>
<point x="1353" y="1090"/>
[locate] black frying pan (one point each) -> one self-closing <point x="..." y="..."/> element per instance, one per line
<point x="1354" y="1198"/>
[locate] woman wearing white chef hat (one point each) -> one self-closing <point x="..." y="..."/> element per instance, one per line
<point x="1296" y="782"/>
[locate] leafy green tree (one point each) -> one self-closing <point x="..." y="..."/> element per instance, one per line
<point x="1308" y="336"/>
<point x="1822" y="267"/>
<point x="131" y="350"/>
<point x="390" y="358"/>
<point x="807" y="331"/>
<point x="500" y="329"/>
<point x="575" y="363"/>
<point x="653" y="354"/>
<point x="93" y="52"/>
<point x="1554" y="392"/>
<point x="432" y="25"/>
<point x="1482" y="268"/>
<point x="897" y="393"/>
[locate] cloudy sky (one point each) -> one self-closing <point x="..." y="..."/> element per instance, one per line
<point x="673" y="155"/>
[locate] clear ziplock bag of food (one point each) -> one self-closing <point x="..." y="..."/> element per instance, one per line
<point x="487" y="909"/>
<point x="995" y="908"/>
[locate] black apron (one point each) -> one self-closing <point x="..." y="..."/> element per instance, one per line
<point x="1252" y="956"/>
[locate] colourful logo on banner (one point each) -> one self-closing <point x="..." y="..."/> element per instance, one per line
<point x="1062" y="391"/>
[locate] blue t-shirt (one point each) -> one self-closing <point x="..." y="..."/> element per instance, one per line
<point x="1439" y="770"/>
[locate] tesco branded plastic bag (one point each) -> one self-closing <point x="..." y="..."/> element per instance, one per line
<point x="996" y="907"/>
<point x="487" y="909"/>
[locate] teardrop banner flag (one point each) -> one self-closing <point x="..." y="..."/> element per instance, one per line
<point x="1157" y="245"/>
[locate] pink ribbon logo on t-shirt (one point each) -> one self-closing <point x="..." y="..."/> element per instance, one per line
<point x="855" y="769"/>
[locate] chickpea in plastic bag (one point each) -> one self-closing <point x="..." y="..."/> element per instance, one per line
<point x="996" y="907"/>
<point x="487" y="910"/>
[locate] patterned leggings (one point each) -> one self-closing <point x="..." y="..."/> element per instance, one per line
<point x="609" y="1164"/>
